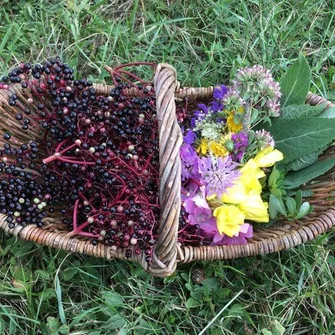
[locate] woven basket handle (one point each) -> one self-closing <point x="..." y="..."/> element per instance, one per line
<point x="170" y="140"/>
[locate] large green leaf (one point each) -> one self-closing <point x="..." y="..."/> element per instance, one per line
<point x="299" y="137"/>
<point x="329" y="113"/>
<point x="297" y="178"/>
<point x="294" y="85"/>
<point x="300" y="111"/>
<point x="303" y="162"/>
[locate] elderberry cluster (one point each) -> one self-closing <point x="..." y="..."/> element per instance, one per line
<point x="69" y="152"/>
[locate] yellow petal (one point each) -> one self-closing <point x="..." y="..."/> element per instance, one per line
<point x="250" y="173"/>
<point x="232" y="126"/>
<point x="235" y="194"/>
<point x="203" y="147"/>
<point x="217" y="149"/>
<point x="268" y="156"/>
<point x="228" y="220"/>
<point x="254" y="208"/>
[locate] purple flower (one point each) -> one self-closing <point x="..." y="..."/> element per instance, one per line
<point x="246" y="231"/>
<point x="220" y="92"/>
<point x="189" y="191"/>
<point x="216" y="106"/>
<point x="209" y="228"/>
<point x="199" y="114"/>
<point x="217" y="174"/>
<point x="189" y="162"/>
<point x="198" y="210"/>
<point x="240" y="144"/>
<point x="189" y="137"/>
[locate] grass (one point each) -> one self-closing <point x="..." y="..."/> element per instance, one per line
<point x="55" y="293"/>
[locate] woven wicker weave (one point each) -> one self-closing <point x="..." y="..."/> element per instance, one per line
<point x="168" y="253"/>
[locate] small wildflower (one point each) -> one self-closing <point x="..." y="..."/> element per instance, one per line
<point x="232" y="126"/>
<point x="264" y="139"/>
<point x="203" y="146"/>
<point x="240" y="141"/>
<point x="217" y="149"/>
<point x="217" y="174"/>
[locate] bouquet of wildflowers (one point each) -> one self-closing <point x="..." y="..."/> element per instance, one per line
<point x="233" y="173"/>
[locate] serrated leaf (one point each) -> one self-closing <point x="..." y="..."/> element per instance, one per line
<point x="329" y="113"/>
<point x="303" y="162"/>
<point x="299" y="137"/>
<point x="295" y="83"/>
<point x="297" y="178"/>
<point x="301" y="111"/>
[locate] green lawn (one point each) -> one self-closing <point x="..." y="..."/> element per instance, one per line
<point x="47" y="290"/>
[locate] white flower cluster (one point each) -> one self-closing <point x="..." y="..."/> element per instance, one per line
<point x="209" y="129"/>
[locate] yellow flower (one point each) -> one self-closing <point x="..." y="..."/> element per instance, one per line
<point x="250" y="173"/>
<point x="217" y="149"/>
<point x="203" y="146"/>
<point x="235" y="194"/>
<point x="232" y="126"/>
<point x="268" y="156"/>
<point x="254" y="208"/>
<point x="249" y="203"/>
<point x="228" y="220"/>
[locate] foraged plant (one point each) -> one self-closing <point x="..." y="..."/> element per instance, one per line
<point x="69" y="152"/>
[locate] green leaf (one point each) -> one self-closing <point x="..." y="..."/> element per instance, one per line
<point x="297" y="178"/>
<point x="274" y="176"/>
<point x="300" y="111"/>
<point x="291" y="205"/>
<point x="64" y="329"/>
<point x="272" y="211"/>
<point x="299" y="137"/>
<point x="113" y="299"/>
<point x="277" y="328"/>
<point x="329" y="113"/>
<point x="294" y="85"/>
<point x="278" y="204"/>
<point x="59" y="300"/>
<point x="304" y="210"/>
<point x="114" y="322"/>
<point x="298" y="199"/>
<point x="192" y="303"/>
<point x="331" y="261"/>
<point x="303" y="162"/>
<point x="69" y="273"/>
<point x="52" y="324"/>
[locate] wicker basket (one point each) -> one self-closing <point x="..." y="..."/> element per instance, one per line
<point x="168" y="253"/>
